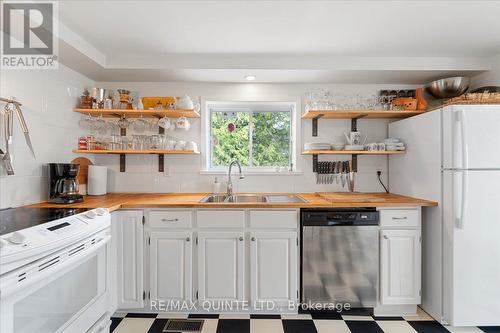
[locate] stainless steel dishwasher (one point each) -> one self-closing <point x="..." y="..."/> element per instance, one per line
<point x="339" y="257"/>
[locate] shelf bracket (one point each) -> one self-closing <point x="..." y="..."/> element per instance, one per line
<point x="161" y="157"/>
<point x="122" y="162"/>
<point x="161" y="163"/>
<point x="315" y="125"/>
<point x="315" y="163"/>
<point x="354" y="124"/>
<point x="123" y="132"/>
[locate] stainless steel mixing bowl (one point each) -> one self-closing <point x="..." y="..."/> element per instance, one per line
<point x="449" y="87"/>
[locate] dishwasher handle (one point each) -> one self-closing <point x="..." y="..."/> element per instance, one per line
<point x="338" y="223"/>
<point x="351" y="223"/>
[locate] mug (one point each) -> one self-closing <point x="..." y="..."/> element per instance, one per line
<point x="164" y="123"/>
<point x="183" y="123"/>
<point x="372" y="146"/>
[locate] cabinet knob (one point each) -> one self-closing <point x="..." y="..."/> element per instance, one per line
<point x="385" y="237"/>
<point x="253" y="239"/>
<point x="399" y="218"/>
<point x="188" y="239"/>
<point x="241" y="238"/>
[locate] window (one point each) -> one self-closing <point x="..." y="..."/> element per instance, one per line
<point x="259" y="135"/>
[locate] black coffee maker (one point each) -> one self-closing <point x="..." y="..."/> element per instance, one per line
<point x="63" y="186"/>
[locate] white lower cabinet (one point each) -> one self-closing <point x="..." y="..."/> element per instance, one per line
<point x="222" y="255"/>
<point x="400" y="266"/>
<point x="129" y="253"/>
<point x="171" y="260"/>
<point x="273" y="267"/>
<point x="221" y="262"/>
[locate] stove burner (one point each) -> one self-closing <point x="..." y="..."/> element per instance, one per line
<point x="14" y="219"/>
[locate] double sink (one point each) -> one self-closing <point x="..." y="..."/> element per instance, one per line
<point x="252" y="198"/>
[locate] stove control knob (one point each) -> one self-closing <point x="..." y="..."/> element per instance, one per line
<point x="17" y="238"/>
<point x="90" y="214"/>
<point x="101" y="211"/>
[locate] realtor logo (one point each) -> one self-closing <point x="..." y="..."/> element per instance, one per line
<point x="29" y="39"/>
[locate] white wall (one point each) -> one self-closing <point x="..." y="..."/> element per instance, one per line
<point x="48" y="96"/>
<point x="183" y="172"/>
<point x="490" y="78"/>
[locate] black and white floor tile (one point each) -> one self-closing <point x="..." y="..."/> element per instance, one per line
<point x="289" y="323"/>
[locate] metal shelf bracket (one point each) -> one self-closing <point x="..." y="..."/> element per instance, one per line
<point x="315" y="125"/>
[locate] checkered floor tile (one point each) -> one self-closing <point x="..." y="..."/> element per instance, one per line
<point x="299" y="323"/>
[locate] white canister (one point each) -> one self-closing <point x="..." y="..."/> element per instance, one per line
<point x="97" y="180"/>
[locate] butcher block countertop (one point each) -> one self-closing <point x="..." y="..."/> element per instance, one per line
<point x="115" y="201"/>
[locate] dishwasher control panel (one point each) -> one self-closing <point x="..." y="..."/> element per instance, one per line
<point x="330" y="217"/>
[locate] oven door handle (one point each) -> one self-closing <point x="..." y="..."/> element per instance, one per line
<point x="7" y="288"/>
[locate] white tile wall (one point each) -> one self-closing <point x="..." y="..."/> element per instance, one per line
<point x="183" y="172"/>
<point x="48" y="97"/>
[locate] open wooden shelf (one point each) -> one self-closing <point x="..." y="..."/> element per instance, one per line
<point x="355" y="114"/>
<point x="144" y="152"/>
<point x="353" y="152"/>
<point x="118" y="113"/>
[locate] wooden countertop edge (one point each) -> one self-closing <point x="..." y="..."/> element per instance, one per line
<point x="115" y="201"/>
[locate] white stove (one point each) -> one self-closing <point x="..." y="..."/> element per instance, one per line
<point x="54" y="275"/>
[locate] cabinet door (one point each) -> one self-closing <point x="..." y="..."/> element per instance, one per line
<point x="221" y="266"/>
<point x="170" y="265"/>
<point x="400" y="266"/>
<point x="130" y="259"/>
<point x="273" y="267"/>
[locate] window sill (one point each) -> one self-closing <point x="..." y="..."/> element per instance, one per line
<point x="253" y="173"/>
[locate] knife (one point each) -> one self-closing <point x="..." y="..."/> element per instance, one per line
<point x="24" y="128"/>
<point x="343" y="174"/>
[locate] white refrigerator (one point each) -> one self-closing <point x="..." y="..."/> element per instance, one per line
<point x="453" y="157"/>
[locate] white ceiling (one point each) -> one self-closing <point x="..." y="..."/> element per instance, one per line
<point x="221" y="40"/>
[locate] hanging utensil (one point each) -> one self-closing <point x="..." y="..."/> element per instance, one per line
<point x="24" y="128"/>
<point x="332" y="170"/>
<point x="350" y="178"/>
<point x="342" y="175"/>
<point x="8" y="124"/>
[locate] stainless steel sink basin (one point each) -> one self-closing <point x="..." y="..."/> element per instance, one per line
<point x="280" y="198"/>
<point x="243" y="198"/>
<point x="252" y="198"/>
<point x="214" y="198"/>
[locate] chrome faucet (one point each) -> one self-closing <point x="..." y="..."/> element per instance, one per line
<point x="229" y="181"/>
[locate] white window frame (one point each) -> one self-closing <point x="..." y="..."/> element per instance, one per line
<point x="218" y="106"/>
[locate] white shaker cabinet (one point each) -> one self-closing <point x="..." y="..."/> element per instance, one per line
<point x="130" y="239"/>
<point x="400" y="256"/>
<point x="171" y="258"/>
<point x="221" y="261"/>
<point x="273" y="267"/>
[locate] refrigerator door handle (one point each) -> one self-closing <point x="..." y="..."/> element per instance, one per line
<point x="460" y="117"/>
<point x="460" y="221"/>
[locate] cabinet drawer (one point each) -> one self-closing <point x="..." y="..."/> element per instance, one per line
<point x="268" y="219"/>
<point x="170" y="219"/>
<point x="400" y="218"/>
<point x="220" y="218"/>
